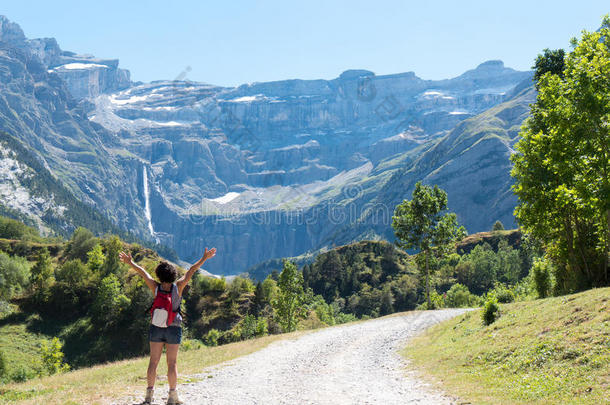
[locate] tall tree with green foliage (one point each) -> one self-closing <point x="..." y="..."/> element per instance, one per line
<point x="290" y="297"/>
<point x="550" y="61"/>
<point x="110" y="302"/>
<point x="562" y="164"/>
<point x="41" y="275"/>
<point x="112" y="265"/>
<point x="424" y="223"/>
<point x="81" y="242"/>
<point x="95" y="259"/>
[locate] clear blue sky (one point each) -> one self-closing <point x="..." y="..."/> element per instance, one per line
<point x="234" y="42"/>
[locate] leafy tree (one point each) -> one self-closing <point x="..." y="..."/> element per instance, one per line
<point x="259" y="299"/>
<point x="262" y="326"/>
<point x="248" y="327"/>
<point x="551" y="61"/>
<point x="13" y="229"/>
<point x="41" y="275"/>
<point x="53" y="357"/>
<point x="81" y="242"/>
<point x="290" y="297"/>
<point x="509" y="263"/>
<point x="498" y="226"/>
<point x="112" y="265"/>
<point x="387" y="301"/>
<point x="424" y="223"/>
<point x="110" y="302"/>
<point x="485" y="268"/>
<point x="542" y="278"/>
<point x="73" y="272"/>
<point x="14" y="275"/>
<point x="562" y="164"/>
<point x="458" y="296"/>
<point x="95" y="259"/>
<point x="269" y="289"/>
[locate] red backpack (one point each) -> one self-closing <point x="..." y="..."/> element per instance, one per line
<point x="162" y="312"/>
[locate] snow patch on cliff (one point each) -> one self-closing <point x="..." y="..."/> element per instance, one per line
<point x="227" y="198"/>
<point x="79" y="66"/>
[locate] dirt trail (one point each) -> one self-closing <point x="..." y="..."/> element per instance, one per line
<point x="349" y="364"/>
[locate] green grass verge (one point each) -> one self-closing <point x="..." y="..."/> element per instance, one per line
<point x="550" y="351"/>
<point x="103" y="383"/>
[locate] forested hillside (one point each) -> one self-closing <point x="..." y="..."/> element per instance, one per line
<point x="77" y="290"/>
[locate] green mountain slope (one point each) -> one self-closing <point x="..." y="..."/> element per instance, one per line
<point x="36" y="197"/>
<point x="472" y="164"/>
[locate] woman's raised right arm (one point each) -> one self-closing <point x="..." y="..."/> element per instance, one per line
<point x="150" y="282"/>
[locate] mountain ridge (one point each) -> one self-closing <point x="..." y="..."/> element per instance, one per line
<point x="233" y="167"/>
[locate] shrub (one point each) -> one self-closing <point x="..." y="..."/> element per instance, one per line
<point x="248" y="327"/>
<point x="503" y="294"/>
<point x="323" y="310"/>
<point x="262" y="326"/>
<point x="342" y="317"/>
<point x="498" y="226"/>
<point x="73" y="272"/>
<point x="21" y="374"/>
<point x="3" y="368"/>
<point x="232" y="335"/>
<point x="14" y="275"/>
<point x="53" y="357"/>
<point x="542" y="277"/>
<point x="211" y="339"/>
<point x="311" y="322"/>
<point x="524" y="290"/>
<point x="437" y="300"/>
<point x="459" y="296"/>
<point x="490" y="310"/>
<point x="190" y="344"/>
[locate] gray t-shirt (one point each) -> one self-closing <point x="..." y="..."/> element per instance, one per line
<point x="176" y="301"/>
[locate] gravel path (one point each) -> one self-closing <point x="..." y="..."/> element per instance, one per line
<point x="348" y="364"/>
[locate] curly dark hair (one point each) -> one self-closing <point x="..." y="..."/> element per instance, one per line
<point x="166" y="273"/>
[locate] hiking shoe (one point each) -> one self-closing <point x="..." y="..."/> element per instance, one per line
<point x="149" y="396"/>
<point x="173" y="398"/>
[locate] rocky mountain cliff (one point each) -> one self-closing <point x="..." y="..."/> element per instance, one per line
<point x="261" y="170"/>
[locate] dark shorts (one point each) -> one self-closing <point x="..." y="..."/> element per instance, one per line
<point x="171" y="335"/>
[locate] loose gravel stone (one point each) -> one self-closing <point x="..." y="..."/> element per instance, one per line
<point x="355" y="363"/>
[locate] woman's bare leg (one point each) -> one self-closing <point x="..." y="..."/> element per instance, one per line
<point x="172" y="367"/>
<point x="156" y="350"/>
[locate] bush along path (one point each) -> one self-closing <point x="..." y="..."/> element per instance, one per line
<point x="346" y="364"/>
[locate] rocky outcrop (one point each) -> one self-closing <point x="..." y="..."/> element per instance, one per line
<point x="265" y="169"/>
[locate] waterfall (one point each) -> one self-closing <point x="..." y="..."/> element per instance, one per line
<point x="147" y="203"/>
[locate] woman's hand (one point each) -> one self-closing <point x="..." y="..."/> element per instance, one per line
<point x="125" y="258"/>
<point x="208" y="254"/>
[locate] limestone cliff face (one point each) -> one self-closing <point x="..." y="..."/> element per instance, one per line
<point x="259" y="170"/>
<point x="264" y="169"/>
<point x="37" y="108"/>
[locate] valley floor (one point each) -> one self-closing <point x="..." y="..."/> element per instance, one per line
<point x="347" y="364"/>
